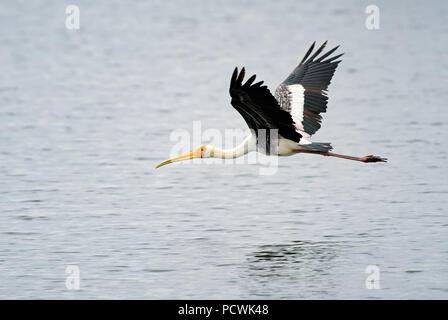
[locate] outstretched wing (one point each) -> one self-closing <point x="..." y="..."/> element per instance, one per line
<point x="304" y="92"/>
<point x="259" y="108"/>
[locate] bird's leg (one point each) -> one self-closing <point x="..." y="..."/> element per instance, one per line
<point x="369" y="158"/>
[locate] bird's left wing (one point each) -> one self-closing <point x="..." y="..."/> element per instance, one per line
<point x="259" y="108"/>
<point x="304" y="92"/>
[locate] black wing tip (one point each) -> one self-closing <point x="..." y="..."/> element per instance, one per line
<point x="233" y="78"/>
<point x="332" y="59"/>
<point x="307" y="54"/>
<point x="250" y="81"/>
<point x="238" y="77"/>
<point x="307" y="58"/>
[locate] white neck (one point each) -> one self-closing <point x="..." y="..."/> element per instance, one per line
<point x="245" y="147"/>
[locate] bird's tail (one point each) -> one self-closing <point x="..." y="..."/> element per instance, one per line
<point x="319" y="146"/>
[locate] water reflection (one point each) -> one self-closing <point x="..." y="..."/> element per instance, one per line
<point x="283" y="265"/>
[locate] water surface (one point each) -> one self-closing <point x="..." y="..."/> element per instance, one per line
<point x="86" y="115"/>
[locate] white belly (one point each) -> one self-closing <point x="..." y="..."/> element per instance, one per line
<point x="281" y="147"/>
<point x="286" y="147"/>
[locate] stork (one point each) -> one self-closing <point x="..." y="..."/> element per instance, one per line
<point x="282" y="124"/>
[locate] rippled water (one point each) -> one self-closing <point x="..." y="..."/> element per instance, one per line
<point x="86" y="115"/>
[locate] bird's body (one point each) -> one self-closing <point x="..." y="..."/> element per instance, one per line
<point x="282" y="124"/>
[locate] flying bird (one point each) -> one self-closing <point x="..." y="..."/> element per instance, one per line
<point x="282" y="124"/>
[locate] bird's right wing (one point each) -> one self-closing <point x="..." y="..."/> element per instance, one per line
<point x="304" y="92"/>
<point x="259" y="108"/>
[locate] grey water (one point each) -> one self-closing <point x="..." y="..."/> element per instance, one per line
<point x="85" y="115"/>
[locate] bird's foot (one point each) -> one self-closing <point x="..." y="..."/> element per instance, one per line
<point x="372" y="158"/>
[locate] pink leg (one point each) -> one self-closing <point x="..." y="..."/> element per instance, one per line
<point x="369" y="158"/>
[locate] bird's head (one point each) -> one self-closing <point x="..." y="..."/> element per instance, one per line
<point x="201" y="152"/>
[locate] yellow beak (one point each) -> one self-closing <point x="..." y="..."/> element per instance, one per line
<point x="185" y="156"/>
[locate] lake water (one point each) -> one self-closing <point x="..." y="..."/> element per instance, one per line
<point x="86" y="114"/>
